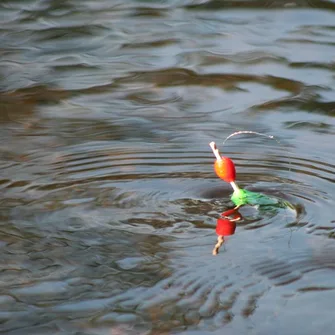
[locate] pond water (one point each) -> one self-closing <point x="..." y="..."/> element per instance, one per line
<point x="109" y="199"/>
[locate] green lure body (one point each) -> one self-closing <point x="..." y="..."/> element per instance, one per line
<point x="244" y="197"/>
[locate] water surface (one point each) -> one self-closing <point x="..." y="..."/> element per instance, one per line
<point x="108" y="197"/>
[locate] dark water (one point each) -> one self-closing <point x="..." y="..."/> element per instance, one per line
<point x="108" y="197"/>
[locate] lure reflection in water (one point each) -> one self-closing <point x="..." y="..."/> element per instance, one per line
<point x="226" y="226"/>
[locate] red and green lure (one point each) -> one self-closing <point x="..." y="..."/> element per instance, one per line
<point x="225" y="169"/>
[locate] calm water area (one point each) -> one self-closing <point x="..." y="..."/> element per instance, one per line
<point x="108" y="197"/>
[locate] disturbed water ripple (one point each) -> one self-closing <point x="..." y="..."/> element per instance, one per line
<point x="197" y="289"/>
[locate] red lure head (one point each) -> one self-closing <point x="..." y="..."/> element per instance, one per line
<point x="225" y="169"/>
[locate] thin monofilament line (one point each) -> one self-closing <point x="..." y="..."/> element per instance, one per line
<point x="249" y="132"/>
<point x="259" y="134"/>
<point x="256" y="133"/>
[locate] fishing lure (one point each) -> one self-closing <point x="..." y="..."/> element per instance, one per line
<point x="224" y="168"/>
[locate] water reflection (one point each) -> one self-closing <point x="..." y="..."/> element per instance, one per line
<point x="225" y="226"/>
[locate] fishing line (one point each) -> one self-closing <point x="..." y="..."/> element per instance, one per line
<point x="259" y="134"/>
<point x="249" y="132"/>
<point x="241" y="132"/>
